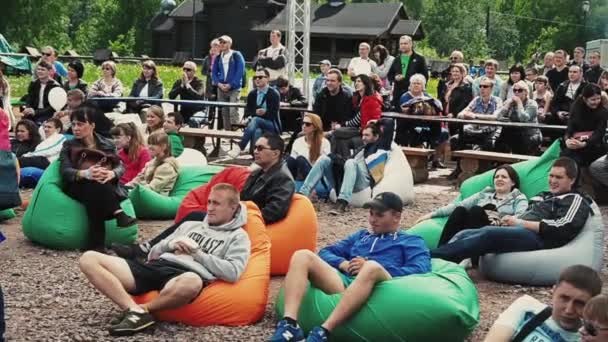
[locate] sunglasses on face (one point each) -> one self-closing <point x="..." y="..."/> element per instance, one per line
<point x="518" y="90"/>
<point x="453" y="58"/>
<point x="261" y="148"/>
<point x="47" y="54"/>
<point x="591" y="329"/>
<point x="187" y="69"/>
<point x="307" y="124"/>
<point x="485" y="86"/>
<point x="107" y="68"/>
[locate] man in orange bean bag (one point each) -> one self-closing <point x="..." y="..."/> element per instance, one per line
<point x="199" y="251"/>
<point x="270" y="187"/>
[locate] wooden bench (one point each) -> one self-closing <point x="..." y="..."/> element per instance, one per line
<point x="195" y="137"/>
<point x="418" y="160"/>
<point x="472" y="161"/>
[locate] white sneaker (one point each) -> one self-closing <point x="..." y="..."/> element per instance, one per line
<point x="235" y="152"/>
<point x="466" y="264"/>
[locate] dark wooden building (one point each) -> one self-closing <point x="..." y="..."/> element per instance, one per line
<point x="335" y="31"/>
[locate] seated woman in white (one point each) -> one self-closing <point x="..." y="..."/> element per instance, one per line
<point x="160" y="173"/>
<point x="48" y="150"/>
<point x="308" y="148"/>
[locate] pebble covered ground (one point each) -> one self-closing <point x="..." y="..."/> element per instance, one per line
<point x="48" y="299"/>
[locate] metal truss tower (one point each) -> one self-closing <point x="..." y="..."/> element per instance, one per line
<point x="298" y="43"/>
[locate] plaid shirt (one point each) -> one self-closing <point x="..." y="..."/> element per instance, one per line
<point x="477" y="106"/>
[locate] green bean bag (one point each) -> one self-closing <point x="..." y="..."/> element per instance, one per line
<point x="7" y="214"/>
<point x="55" y="220"/>
<point x="533" y="178"/>
<point x="438" y="306"/>
<point x="152" y="205"/>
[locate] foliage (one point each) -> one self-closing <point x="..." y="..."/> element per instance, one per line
<point x="518" y="28"/>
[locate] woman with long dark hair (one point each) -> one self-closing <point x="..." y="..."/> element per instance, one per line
<point x="516" y="73"/>
<point x="367" y="104"/>
<point x="308" y="148"/>
<point x="484" y="208"/>
<point x="384" y="61"/>
<point x="584" y="138"/>
<point x="90" y="181"/>
<point x="27" y="137"/>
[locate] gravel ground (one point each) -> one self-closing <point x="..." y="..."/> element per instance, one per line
<point x="48" y="299"/>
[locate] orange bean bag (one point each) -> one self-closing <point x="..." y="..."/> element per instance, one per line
<point x="222" y="303"/>
<point x="196" y="200"/>
<point x="298" y="230"/>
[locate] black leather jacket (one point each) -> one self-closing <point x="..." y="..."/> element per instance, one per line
<point x="271" y="191"/>
<point x="155" y="88"/>
<point x="68" y="172"/>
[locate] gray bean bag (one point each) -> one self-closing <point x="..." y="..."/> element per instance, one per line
<point x="542" y="267"/>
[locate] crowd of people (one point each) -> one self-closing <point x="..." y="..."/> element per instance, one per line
<point x="342" y="145"/>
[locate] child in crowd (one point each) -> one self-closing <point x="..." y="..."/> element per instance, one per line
<point x="48" y="150"/>
<point x="160" y="173"/>
<point x="172" y="125"/>
<point x="131" y="150"/>
<point x="155" y="118"/>
<point x="595" y="320"/>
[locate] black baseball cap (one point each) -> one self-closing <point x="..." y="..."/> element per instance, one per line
<point x="385" y="201"/>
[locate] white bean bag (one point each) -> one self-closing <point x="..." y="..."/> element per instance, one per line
<point x="191" y="157"/>
<point x="542" y="267"/>
<point x="398" y="178"/>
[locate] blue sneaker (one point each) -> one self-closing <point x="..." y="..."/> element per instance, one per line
<point x="317" y="334"/>
<point x="287" y="332"/>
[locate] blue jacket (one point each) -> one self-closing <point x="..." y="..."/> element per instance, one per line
<point x="236" y="69"/>
<point x="399" y="253"/>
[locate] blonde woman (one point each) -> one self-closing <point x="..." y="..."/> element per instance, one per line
<point x="308" y="148"/>
<point x="107" y="86"/>
<point x="155" y="119"/>
<point x="161" y="172"/>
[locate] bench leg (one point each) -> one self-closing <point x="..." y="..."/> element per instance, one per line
<point x="419" y="168"/>
<point x="469" y="169"/>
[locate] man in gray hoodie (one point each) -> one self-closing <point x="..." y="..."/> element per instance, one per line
<point x="200" y="251"/>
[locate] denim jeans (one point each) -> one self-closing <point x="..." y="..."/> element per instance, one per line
<point x="254" y="130"/>
<point x="356" y="178"/>
<point x="299" y="167"/>
<point x="321" y="169"/>
<point x="490" y="239"/>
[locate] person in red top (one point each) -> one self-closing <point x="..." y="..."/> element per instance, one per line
<point x="131" y="150"/>
<point x="367" y="104"/>
<point x="5" y="144"/>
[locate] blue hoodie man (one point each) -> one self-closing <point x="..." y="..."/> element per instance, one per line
<point x="353" y="267"/>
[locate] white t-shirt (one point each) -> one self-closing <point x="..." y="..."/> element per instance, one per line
<point x="226" y="63"/>
<point x="41" y="96"/>
<point x="144" y="91"/>
<point x="522" y="310"/>
<point x="362" y="66"/>
<point x="301" y="148"/>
